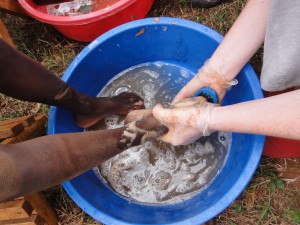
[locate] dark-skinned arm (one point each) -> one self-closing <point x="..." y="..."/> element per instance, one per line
<point x="47" y="161"/>
<point x="23" y="78"/>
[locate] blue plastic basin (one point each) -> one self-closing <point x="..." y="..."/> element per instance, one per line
<point x="167" y="39"/>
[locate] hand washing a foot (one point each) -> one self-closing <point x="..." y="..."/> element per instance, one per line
<point x="150" y="170"/>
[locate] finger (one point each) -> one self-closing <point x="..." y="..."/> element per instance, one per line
<point x="188" y="90"/>
<point x="166" y="138"/>
<point x="148" y="123"/>
<point x="161" y="114"/>
<point x="137" y="115"/>
<point x="171" y="138"/>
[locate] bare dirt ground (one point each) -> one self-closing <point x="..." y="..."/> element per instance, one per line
<point x="268" y="199"/>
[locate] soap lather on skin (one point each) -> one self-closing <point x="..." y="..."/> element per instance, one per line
<point x="140" y="131"/>
<point x="143" y="123"/>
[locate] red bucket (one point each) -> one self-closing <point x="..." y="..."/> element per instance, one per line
<point x="89" y="26"/>
<point x="280" y="147"/>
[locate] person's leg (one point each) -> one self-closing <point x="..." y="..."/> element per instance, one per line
<point x="25" y="79"/>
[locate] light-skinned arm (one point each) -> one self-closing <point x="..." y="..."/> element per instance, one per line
<point x="239" y="45"/>
<point x="273" y="116"/>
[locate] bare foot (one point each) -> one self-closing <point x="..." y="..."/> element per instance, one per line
<point x="142" y="126"/>
<point x="102" y="106"/>
<point x="145" y="121"/>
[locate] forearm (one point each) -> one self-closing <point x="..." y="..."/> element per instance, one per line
<point x="239" y="45"/>
<point x="273" y="116"/>
<point x="43" y="162"/>
<point x="243" y="39"/>
<point x="23" y="78"/>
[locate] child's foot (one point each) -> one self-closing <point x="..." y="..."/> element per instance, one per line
<point x="142" y="126"/>
<point x="145" y="121"/>
<point x="103" y="106"/>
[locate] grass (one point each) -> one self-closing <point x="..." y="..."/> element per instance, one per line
<point x="266" y="200"/>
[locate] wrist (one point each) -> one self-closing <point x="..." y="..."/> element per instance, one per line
<point x="215" y="79"/>
<point x="203" y="123"/>
<point x="227" y="67"/>
<point x="213" y="122"/>
<point x="223" y="119"/>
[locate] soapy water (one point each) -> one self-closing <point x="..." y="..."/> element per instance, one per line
<point x="156" y="172"/>
<point x="78" y="7"/>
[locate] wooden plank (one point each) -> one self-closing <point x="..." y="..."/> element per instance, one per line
<point x="25" y="120"/>
<point x="16" y="209"/>
<point x="34" y="219"/>
<point x="35" y="130"/>
<point x="14" y="7"/>
<point x="43" y="208"/>
<point x="289" y="171"/>
<point x="5" y="35"/>
<point x="11" y="130"/>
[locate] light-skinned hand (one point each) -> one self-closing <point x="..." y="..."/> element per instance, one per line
<point x="209" y="75"/>
<point x="187" y="120"/>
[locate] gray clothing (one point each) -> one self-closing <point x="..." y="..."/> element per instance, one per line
<point x="281" y="62"/>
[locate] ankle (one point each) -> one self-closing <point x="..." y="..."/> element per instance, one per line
<point x="74" y="101"/>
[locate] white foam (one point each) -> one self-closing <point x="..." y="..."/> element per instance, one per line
<point x="149" y="91"/>
<point x="121" y="90"/>
<point x="151" y="73"/>
<point x="159" y="64"/>
<point x="185" y="73"/>
<point x="112" y="122"/>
